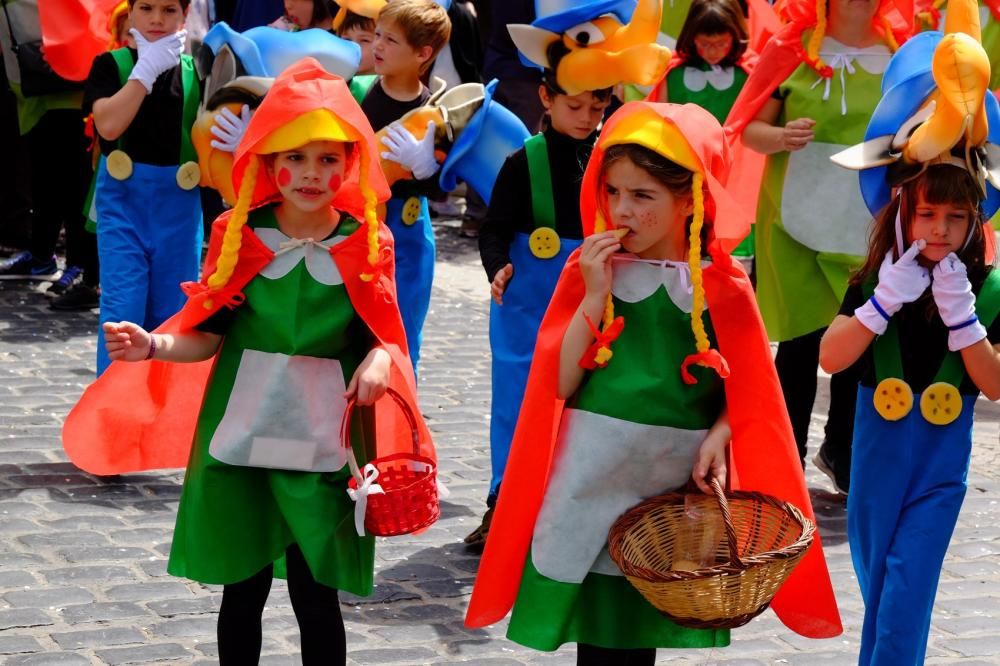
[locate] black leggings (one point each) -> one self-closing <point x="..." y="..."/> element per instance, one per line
<point x="592" y="655"/>
<point x="316" y="606"/>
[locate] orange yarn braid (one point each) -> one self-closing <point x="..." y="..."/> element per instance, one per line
<point x="371" y="219"/>
<point x="816" y="39"/>
<point x="233" y="237"/>
<point x="694" y="262"/>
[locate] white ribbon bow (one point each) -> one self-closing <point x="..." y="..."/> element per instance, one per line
<point x="839" y="61"/>
<point x="366" y="487"/>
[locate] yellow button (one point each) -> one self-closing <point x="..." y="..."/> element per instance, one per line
<point x="893" y="399"/>
<point x="119" y="165"/>
<point x="411" y="211"/>
<point x="544" y="243"/>
<point x="941" y="403"/>
<point x="188" y="175"/>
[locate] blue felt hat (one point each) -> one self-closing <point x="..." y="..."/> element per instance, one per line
<point x="906" y="84"/>
<point x="492" y="134"/>
<point x="558" y="16"/>
<point x="264" y="51"/>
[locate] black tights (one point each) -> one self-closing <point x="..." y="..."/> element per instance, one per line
<point x="316" y="606"/>
<point x="592" y="655"/>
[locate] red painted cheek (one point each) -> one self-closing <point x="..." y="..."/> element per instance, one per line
<point x="335" y="182"/>
<point x="284" y="177"/>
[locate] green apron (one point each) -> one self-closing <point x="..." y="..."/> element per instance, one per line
<point x="632" y="432"/>
<point x="698" y="84"/>
<point x="812" y="224"/>
<point x="235" y="520"/>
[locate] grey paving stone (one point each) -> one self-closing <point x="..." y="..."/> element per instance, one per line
<point x="186" y="627"/>
<point x="48" y="598"/>
<point x="49" y="659"/>
<point x="147" y="591"/>
<point x="413" y="655"/>
<point x="145" y="654"/>
<point x="102" y="612"/>
<point x="986" y="646"/>
<point x="23" y="617"/>
<point x="16" y="644"/>
<point x="86" y="574"/>
<point x="103" y="554"/>
<point x="16" y="579"/>
<point x="195" y="606"/>
<point x="98" y="638"/>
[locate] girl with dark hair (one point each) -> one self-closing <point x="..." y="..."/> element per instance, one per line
<point x="711" y="61"/>
<point x="304" y="14"/>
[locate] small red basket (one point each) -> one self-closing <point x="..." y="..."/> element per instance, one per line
<point x="397" y="494"/>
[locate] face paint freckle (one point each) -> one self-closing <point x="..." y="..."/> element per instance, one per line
<point x="335" y="182"/>
<point x="284" y="177"/>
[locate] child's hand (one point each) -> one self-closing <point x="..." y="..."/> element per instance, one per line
<point x="126" y="341"/>
<point x="157" y="57"/>
<point x="899" y="282"/>
<point x="416" y="156"/>
<point x="797" y="134"/>
<point x="956" y="303"/>
<point x="499" y="285"/>
<point x="371" y="379"/>
<point x="595" y="262"/>
<point x="228" y="128"/>
<point x="711" y="460"/>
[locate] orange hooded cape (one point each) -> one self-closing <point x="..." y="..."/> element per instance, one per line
<point x="140" y="416"/>
<point x="763" y="453"/>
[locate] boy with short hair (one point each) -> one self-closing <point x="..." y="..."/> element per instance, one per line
<point x="360" y="30"/>
<point x="408" y="36"/>
<point x="149" y="226"/>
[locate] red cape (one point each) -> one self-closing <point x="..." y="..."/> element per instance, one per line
<point x="140" y="416"/>
<point x="74" y="32"/>
<point x="763" y="453"/>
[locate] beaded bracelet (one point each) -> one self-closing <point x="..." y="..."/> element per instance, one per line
<point x="152" y="347"/>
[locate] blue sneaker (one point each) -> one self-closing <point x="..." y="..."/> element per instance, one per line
<point x="22" y="266"/>
<point x="69" y="276"/>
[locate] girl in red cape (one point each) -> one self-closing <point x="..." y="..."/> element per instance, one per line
<point x="296" y="314"/>
<point x="631" y="419"/>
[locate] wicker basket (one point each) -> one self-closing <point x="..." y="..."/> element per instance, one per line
<point x="755" y="541"/>
<point x="398" y="493"/>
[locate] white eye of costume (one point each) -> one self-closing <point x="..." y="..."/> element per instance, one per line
<point x="585" y="34"/>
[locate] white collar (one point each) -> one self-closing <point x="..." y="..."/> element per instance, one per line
<point x="636" y="279"/>
<point x="288" y="252"/>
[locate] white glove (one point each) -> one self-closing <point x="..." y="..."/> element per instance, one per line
<point x="956" y="303"/>
<point x="414" y="156"/>
<point x="157" y="57"/>
<point x="898" y="283"/>
<point x="229" y="129"/>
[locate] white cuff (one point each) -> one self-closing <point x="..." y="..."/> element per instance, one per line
<point x="871" y="318"/>
<point x="966" y="337"/>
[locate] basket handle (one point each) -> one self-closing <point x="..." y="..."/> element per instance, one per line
<point x="345" y="425"/>
<point x="727" y="520"/>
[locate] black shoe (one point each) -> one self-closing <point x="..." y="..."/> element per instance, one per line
<point x="470" y="227"/>
<point x="70" y="275"/>
<point x="22" y="266"/>
<point x="825" y="465"/>
<point x="77" y="297"/>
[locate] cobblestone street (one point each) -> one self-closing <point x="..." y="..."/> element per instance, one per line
<point x="82" y="559"/>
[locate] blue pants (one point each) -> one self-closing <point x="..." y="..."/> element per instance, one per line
<point x="513" y="329"/>
<point x="415" y="249"/>
<point x="149" y="235"/>
<point x="907" y="486"/>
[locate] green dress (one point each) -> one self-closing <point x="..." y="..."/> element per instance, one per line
<point x="295" y="326"/>
<point x="632" y="432"/>
<point x="812" y="224"/>
<point x="713" y="89"/>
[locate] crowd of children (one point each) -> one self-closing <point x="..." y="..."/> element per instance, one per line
<point x="629" y="349"/>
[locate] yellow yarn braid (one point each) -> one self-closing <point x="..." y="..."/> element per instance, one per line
<point x="694" y="261"/>
<point x="371" y="218"/>
<point x="604" y="352"/>
<point x="890" y="39"/>
<point x="819" y="32"/>
<point x="233" y="238"/>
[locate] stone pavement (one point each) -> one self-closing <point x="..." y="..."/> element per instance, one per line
<point x="82" y="560"/>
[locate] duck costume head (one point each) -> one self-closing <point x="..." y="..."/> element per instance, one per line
<point x="936" y="108"/>
<point x="690" y="137"/>
<point x="594" y="45"/>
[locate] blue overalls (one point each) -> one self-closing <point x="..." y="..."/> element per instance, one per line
<point x="410" y="222"/>
<point x="908" y="480"/>
<point x="538" y="260"/>
<point x="149" y="230"/>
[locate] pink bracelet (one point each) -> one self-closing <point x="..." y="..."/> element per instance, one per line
<point x="152" y="347"/>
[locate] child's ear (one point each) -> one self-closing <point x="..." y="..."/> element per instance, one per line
<point x="424" y="54"/>
<point x="543" y="94"/>
<point x="688" y="206"/>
